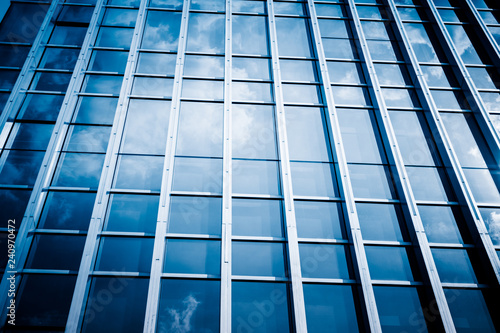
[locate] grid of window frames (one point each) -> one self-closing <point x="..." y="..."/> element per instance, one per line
<point x="115" y="289"/>
<point x="489" y="14"/>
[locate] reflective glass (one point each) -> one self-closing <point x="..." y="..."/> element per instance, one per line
<point x="8" y="79"/>
<point x="447" y="99"/>
<point x="330" y="306"/>
<point x="345" y="72"/>
<point x="307" y="134"/>
<point x="299" y="93"/>
<point x="298" y="70"/>
<point x="146" y="127"/>
<point x="388" y="263"/>
<point x="156" y="63"/>
<point x="469" y="311"/>
<point x="192" y="256"/>
<point x="254" y="133"/>
<point x="463" y="44"/>
<point x="371" y="181"/>
<point x="250" y="299"/>
<point x="51" y="81"/>
<point x="483" y="185"/>
<point x="20" y="167"/>
<point x="133" y="3"/>
<point x="288" y="8"/>
<point x="249" y="6"/>
<point x="69" y="251"/>
<point x="216" y="5"/>
<point x="161" y="31"/>
<point x="330" y="10"/>
<point x="116" y="305"/>
<point x="197" y="174"/>
<point x="258" y="218"/>
<point x="383" y="50"/>
<point x="491" y="218"/>
<point x="314" y="179"/>
<point x="96" y="110"/>
<point x="59" y="58"/>
<point x="250" y="35"/>
<point x="152" y="86"/>
<point x="351" y="95"/>
<point x="454" y="266"/>
<point x="41" y="107"/>
<point x="252" y="91"/>
<point x="380" y="222"/>
<point x="195" y="215"/>
<point x="200" y="129"/>
<point x="125" y="254"/>
<point x="114" y="37"/>
<point x="139" y="172"/>
<point x="392" y="74"/>
<point x="93" y="139"/>
<point x="188" y="306"/>
<point x="251" y="68"/>
<point x="133" y="213"/>
<point x="376" y="30"/>
<point x="205" y="33"/>
<point x="293" y="37"/>
<point x="170" y="4"/>
<point x="440" y="224"/>
<point x="203" y="66"/>
<point x="103" y="84"/>
<point x="334" y="28"/>
<point x="31" y="136"/>
<point x="120" y="17"/>
<point x="64" y="35"/>
<point x="108" y="61"/>
<point x="491" y="100"/>
<point x="339" y="48"/>
<point x="421" y="42"/>
<point x="16" y="200"/>
<point x="371" y="12"/>
<point x="258" y="259"/>
<point x="79" y="170"/>
<point x="429" y="184"/>
<point x="203" y="89"/>
<point x="21" y="21"/>
<point x="13" y="55"/>
<point x="483" y="78"/>
<point x="360" y="136"/>
<point x="319" y="219"/>
<point x="323" y="261"/>
<point x="256" y="177"/>
<point x="438" y="76"/>
<point x="403" y="98"/>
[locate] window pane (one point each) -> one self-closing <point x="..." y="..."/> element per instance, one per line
<point x="215" y="5"/>
<point x="63" y="35"/>
<point x="156" y="63"/>
<point x="16" y="200"/>
<point x="469" y="311"/>
<point x="197" y="174"/>
<point x="69" y="251"/>
<point x="440" y="224"/>
<point x="125" y="254"/>
<point x="79" y="170"/>
<point x="200" y="129"/>
<point x="491" y="218"/>
<point x="75" y="14"/>
<point x="340" y="48"/>
<point x="114" y="37"/>
<point x="334" y="28"/>
<point x="161" y="31"/>
<point x="103" y="84"/>
<point x="88" y="138"/>
<point x="255" y="177"/>
<point x="192" y="257"/>
<point x="298" y="70"/>
<point x="108" y="61"/>
<point x="258" y="259"/>
<point x="120" y="17"/>
<point x="134" y="213"/>
<point x="287" y="8"/>
<point x="330" y="306"/>
<point x="318" y="219"/>
<point x="248" y="301"/>
<point x="96" y="110"/>
<point x="41" y="107"/>
<point x="403" y="98"/>
<point x="252" y="91"/>
<point x="421" y="43"/>
<point x="149" y="86"/>
<point x="195" y="215"/>
<point x="149" y="177"/>
<point x="205" y="33"/>
<point x="32" y="136"/>
<point x="203" y="66"/>
<point x="388" y="263"/>
<point x="203" y="89"/>
<point x="258" y="218"/>
<point x="171" y="4"/>
<point x="483" y="185"/>
<point x="323" y="261"/>
<point x="67" y="210"/>
<point x="51" y="81"/>
<point x="383" y="50"/>
<point x="345" y="72"/>
<point x="429" y="184"/>
<point x="371" y="181"/>
<point x="189" y="305"/>
<point x="380" y="222"/>
<point x="293" y="37"/>
<point x="21" y="167"/>
<point x="122" y="305"/>
<point x="299" y="93"/>
<point x="351" y="96"/>
<point x="251" y="68"/>
<point x="314" y="179"/>
<point x="454" y="266"/>
<point x="250" y="35"/>
<point x="59" y="58"/>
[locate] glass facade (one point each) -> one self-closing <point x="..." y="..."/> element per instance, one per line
<point x="250" y="166"/>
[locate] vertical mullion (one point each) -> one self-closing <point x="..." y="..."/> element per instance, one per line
<point x="344" y="180"/>
<point x="166" y="183"/>
<point x="225" y="306"/>
<point x="76" y="313"/>
<point x="401" y="179"/>
<point x="298" y="306"/>
<point x="485" y="241"/>
<point x="483" y="118"/>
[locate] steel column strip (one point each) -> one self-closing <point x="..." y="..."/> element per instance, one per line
<point x="166" y="183"/>
<point x="475" y="101"/>
<point x="48" y="166"/>
<point x="486" y="31"/>
<point x="227" y="188"/>
<point x="299" y="311"/>
<point x="401" y="179"/>
<point x="447" y="152"/>
<point x="80" y="295"/>
<point x="27" y="72"/>
<point x="344" y="179"/>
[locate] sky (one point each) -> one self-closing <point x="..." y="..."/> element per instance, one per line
<point x="4" y="4"/>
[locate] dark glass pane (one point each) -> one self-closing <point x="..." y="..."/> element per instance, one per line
<point x="21" y="22"/>
<point x="149" y="178"/>
<point x="250" y="35"/>
<point x="258" y="259"/>
<point x="388" y="263"/>
<point x="120" y="17"/>
<point x="103" y="84"/>
<point x="75" y="14"/>
<point x="116" y="305"/>
<point x="256" y="177"/>
<point x="16" y="200"/>
<point x="258" y="218"/>
<point x="195" y="215"/>
<point x="454" y="266"/>
<point x="88" y="138"/>
<point x="314" y="179"/>
<point x="21" y="167"/>
<point x="197" y="174"/>
<point x="13" y="55"/>
<point x="161" y="31"/>
<point x="108" y="61"/>
<point x="192" y="257"/>
<point x="69" y="251"/>
<point x="41" y="107"/>
<point x="114" y="37"/>
<point x="205" y="33"/>
<point x="323" y="261"/>
<point x="135" y="213"/>
<point x="64" y="35"/>
<point x="58" y="58"/>
<point x="79" y="170"/>
<point x="96" y="110"/>
<point x="316" y="219"/>
<point x="189" y="306"/>
<point x="8" y="78"/>
<point x="51" y="81"/>
<point x="125" y="254"/>
<point x="469" y="311"/>
<point x="380" y="222"/>
<point x="32" y="136"/>
<point x="67" y="210"/>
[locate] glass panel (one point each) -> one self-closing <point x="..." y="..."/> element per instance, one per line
<point x="388" y="263"/>
<point x="21" y="21"/>
<point x="491" y="100"/>
<point x="299" y="93"/>
<point x="171" y="4"/>
<point x="192" y="257"/>
<point x="114" y="37"/>
<point x="491" y="218"/>
<point x="399" y="309"/>
<point x="293" y="37"/>
<point x="440" y="224"/>
<point x="161" y="31"/>
<point x="108" y="61"/>
<point x="149" y="177"/>
<point x="249" y="6"/>
<point x="483" y="185"/>
<point x="371" y="181"/>
<point x="463" y="44"/>
<point x="351" y="95"/>
<point x="421" y="42"/>
<point x="20" y="167"/>
<point x="437" y="76"/>
<point x="429" y="184"/>
<point x="203" y="89"/>
<point x="257" y="218"/>
<point x="103" y="84"/>
<point x="316" y="219"/>
<point x="370" y="12"/>
<point x="330" y="10"/>
<point x="50" y="81"/>
<point x="216" y="5"/>
<point x="116" y="305"/>
<point x="205" y="33"/>
<point x="200" y="129"/>
<point x="483" y="78"/>
<point x="404" y="98"/>
<point x="67" y="210"/>
<point x="383" y="50"/>
<point x="449" y="100"/>
<point x="120" y="17"/>
<point x="69" y="251"/>
<point x="252" y="91"/>
<point x="189" y="306"/>
<point x="203" y="66"/>
<point x="8" y="79"/>
<point x="156" y="63"/>
<point x="149" y="86"/>
<point x="258" y="259"/>
<point x="254" y="133"/>
<point x="287" y="8"/>
<point x="41" y="107"/>
<point x="255" y="177"/>
<point x="31" y="136"/>
<point x="345" y="72"/>
<point x="134" y="213"/>
<point x="64" y="35"/>
<point x="334" y="28"/>
<point x="195" y="215"/>
<point x="323" y="261"/>
<point x="125" y="254"/>
<point x="314" y="179"/>
<point x="262" y="305"/>
<point x="392" y="74"/>
<point x="469" y="311"/>
<point x="88" y="138"/>
<point x="146" y="127"/>
<point x="79" y="170"/>
<point x="197" y="174"/>
<point x="96" y="110"/>
<point x="58" y="58"/>
<point x="453" y="265"/>
<point x="307" y="134"/>
<point x="251" y="68"/>
<point x="298" y="70"/>
<point x="380" y="222"/>
<point x="16" y="200"/>
<point x="250" y="35"/>
<point x="340" y="48"/>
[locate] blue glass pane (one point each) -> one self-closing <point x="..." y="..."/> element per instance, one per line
<point x="31" y="136"/>
<point x="371" y="181"/>
<point x="298" y="70"/>
<point x="401" y="98"/>
<point x="255" y="177"/>
<point x="258" y="218"/>
<point x="149" y="86"/>
<point x="16" y="200"/>
<point x="203" y="89"/>
<point x="79" y="170"/>
<point x="59" y="58"/>
<point x="205" y="33"/>
<point x="161" y="31"/>
<point x="388" y="263"/>
<point x="134" y="213"/>
<point x="156" y="63"/>
<point x="454" y="266"/>
<point x="380" y="222"/>
<point x="170" y="4"/>
<point x="316" y="219"/>
<point x="483" y="185"/>
<point x="258" y="259"/>
<point x="149" y="178"/>
<point x="108" y="61"/>
<point x="421" y="43"/>
<point x="250" y="35"/>
<point x="114" y="37"/>
<point x="429" y="184"/>
<point x="252" y="91"/>
<point x="323" y="261"/>
<point x="104" y="84"/>
<point x="351" y="95"/>
<point x="345" y="72"/>
<point x="48" y="81"/>
<point x="491" y="218"/>
<point x="197" y="174"/>
<point x="192" y="257"/>
<point x="204" y="66"/>
<point x="92" y="139"/>
<point x="251" y="68"/>
<point x="195" y="215"/>
<point x="440" y="224"/>
<point x="96" y="110"/>
<point x="300" y="93"/>
<point x="293" y="37"/>
<point x="120" y="17"/>
<point x="67" y="210"/>
<point x="383" y="50"/>
<point x="125" y="254"/>
<point x="20" y="167"/>
<point x="63" y="35"/>
<point x="69" y="251"/>
<point x="41" y="107"/>
<point x="469" y="311"/>
<point x="314" y="179"/>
